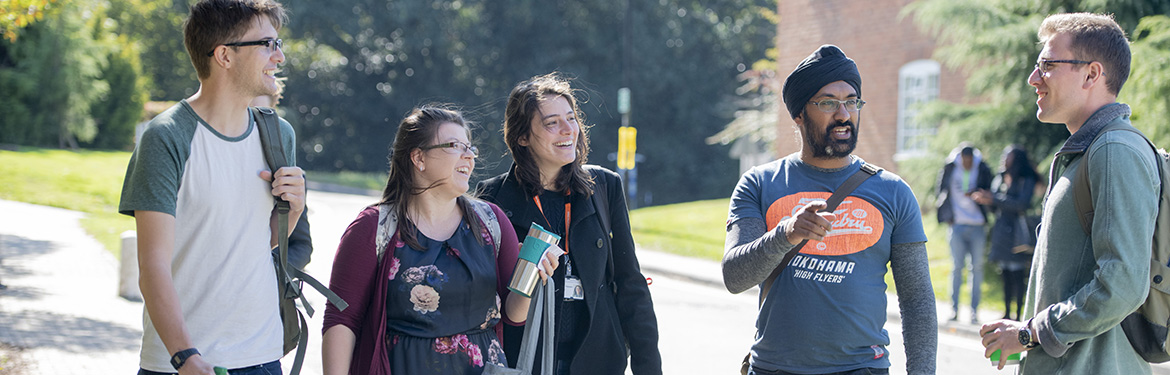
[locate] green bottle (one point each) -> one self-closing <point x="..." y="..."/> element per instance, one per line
<point x="1012" y="359"/>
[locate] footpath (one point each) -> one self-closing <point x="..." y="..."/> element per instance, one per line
<point x="61" y="304"/>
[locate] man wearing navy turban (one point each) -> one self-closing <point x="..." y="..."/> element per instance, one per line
<point x="825" y="305"/>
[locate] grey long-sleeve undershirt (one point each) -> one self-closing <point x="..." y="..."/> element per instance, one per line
<point x="752" y="252"/>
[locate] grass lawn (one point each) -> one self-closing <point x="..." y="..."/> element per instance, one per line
<point x="91" y="182"/>
<point x="697" y="229"/>
<point x="694" y="229"/>
<point x="86" y="181"/>
<point x="369" y="181"/>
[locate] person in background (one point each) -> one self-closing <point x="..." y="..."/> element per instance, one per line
<point x="606" y="314"/>
<point x="428" y="299"/>
<point x="1011" y="198"/>
<point x="964" y="173"/>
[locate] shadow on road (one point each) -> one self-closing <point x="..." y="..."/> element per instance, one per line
<point x="42" y="329"/>
<point x="12" y="250"/>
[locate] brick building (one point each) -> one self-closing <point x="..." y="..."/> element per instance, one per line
<point x="896" y="65"/>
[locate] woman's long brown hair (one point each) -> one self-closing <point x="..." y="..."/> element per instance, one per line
<point x="523" y="105"/>
<point x="417" y="130"/>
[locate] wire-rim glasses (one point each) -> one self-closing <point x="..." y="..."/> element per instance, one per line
<point x="272" y="44"/>
<point x="831" y="105"/>
<point x="462" y="147"/>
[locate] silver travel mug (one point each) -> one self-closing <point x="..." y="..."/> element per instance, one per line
<point x="527" y="272"/>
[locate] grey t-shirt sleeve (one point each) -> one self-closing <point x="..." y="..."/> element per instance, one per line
<point x="156" y="167"/>
<point x="911" y="271"/>
<point x="751" y="252"/>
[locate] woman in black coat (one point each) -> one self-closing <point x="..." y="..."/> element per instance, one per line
<point x="1011" y="198"/>
<point x="607" y="308"/>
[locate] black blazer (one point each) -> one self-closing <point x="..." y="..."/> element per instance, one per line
<point x="946" y="213"/>
<point x="617" y="320"/>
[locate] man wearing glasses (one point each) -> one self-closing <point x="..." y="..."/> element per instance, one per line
<point x="1084" y="283"/>
<point x="202" y="200"/>
<point x="825" y="311"/>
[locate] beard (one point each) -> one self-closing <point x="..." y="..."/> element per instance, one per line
<point x="825" y="146"/>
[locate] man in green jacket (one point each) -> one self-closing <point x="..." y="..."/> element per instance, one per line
<point x="1083" y="284"/>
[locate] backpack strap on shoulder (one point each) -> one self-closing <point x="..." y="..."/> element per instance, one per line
<point x="272" y="145"/>
<point x="488" y="218"/>
<point x="387" y="225"/>
<point x="1082" y="193"/>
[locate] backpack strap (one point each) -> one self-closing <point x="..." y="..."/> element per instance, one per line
<point x="272" y="144"/>
<point x="838" y="196"/>
<point x="488" y="218"/>
<point x="387" y="225"/>
<point x="273" y="148"/>
<point x="1082" y="193"/>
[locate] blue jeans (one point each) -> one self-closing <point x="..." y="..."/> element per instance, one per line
<point x="270" y="368"/>
<point x="966" y="241"/>
<point x="861" y="371"/>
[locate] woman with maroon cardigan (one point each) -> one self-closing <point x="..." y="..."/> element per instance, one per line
<point x="427" y="298"/>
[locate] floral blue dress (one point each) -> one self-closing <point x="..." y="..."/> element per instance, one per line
<point x="442" y="306"/>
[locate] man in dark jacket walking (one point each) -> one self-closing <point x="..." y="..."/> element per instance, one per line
<point x="964" y="173"/>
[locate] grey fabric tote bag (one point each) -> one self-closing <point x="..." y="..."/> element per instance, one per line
<point x="540" y="315"/>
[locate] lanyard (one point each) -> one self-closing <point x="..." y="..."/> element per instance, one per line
<point x="568" y="207"/>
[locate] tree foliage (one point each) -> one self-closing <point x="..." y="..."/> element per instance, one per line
<point x="1148" y="89"/>
<point x="356" y="67"/>
<point x="58" y="79"/>
<point x="18" y="14"/>
<point x="156" y="26"/>
<point x="995" y="43"/>
<point x="119" y="110"/>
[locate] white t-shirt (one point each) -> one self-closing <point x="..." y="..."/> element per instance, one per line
<point x="222" y="265"/>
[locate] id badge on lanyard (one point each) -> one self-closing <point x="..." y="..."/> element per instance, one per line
<point x="574" y="291"/>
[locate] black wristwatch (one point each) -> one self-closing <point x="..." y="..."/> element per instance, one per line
<point x="1027" y="339"/>
<point x="181" y="356"/>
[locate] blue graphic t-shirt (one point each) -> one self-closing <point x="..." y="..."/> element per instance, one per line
<point x="825" y="312"/>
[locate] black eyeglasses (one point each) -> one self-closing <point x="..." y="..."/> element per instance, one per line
<point x="1044" y="66"/>
<point x="462" y="147"/>
<point x="831" y="105"/>
<point x="272" y="44"/>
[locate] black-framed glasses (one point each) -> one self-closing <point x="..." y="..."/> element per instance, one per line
<point x="831" y="105"/>
<point x="462" y="147"/>
<point x="1045" y="65"/>
<point x="272" y="44"/>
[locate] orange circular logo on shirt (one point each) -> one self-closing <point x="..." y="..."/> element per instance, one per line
<point x="858" y="226"/>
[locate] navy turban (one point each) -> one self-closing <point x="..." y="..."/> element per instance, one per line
<point x="827" y="65"/>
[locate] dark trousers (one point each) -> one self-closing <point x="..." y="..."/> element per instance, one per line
<point x="270" y="368"/>
<point x="1015" y="285"/>
<point x="861" y="371"/>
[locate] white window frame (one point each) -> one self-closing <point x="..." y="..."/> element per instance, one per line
<point x="918" y="83"/>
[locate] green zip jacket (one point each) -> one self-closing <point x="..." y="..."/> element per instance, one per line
<point x="1083" y="285"/>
